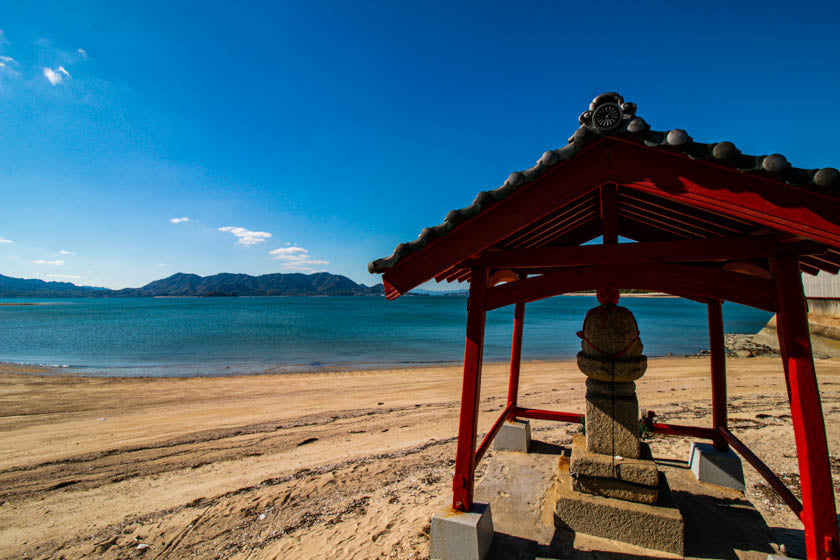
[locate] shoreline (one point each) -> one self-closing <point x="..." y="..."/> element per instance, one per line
<point x="91" y="372"/>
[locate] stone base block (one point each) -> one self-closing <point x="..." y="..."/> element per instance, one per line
<point x="717" y="467"/>
<point x="640" y="471"/>
<point x="514" y="436"/>
<point x="611" y="488"/>
<point x="457" y="535"/>
<point x="657" y="527"/>
<point x="612" y="418"/>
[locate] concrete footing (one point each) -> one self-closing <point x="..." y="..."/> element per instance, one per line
<point x="513" y="436"/>
<point x="457" y="535"/>
<point x="716" y="467"/>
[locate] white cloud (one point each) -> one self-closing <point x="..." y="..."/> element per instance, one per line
<point x="53" y="263"/>
<point x="286" y="252"/>
<point x="4" y="240"/>
<point x="65" y="252"/>
<point x="3" y="40"/>
<point x="55" y="76"/>
<point x="52" y="76"/>
<point x="246" y="237"/>
<point x="178" y="220"/>
<point x="82" y="53"/>
<point x="5" y="60"/>
<point x="296" y="259"/>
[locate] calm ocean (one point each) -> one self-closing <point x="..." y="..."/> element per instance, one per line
<point x="230" y="336"/>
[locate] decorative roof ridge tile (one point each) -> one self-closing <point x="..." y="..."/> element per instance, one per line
<point x="610" y="115"/>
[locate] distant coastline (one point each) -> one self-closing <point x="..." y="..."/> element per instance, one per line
<point x="192" y="285"/>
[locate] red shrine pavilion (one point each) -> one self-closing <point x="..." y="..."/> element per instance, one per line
<point x="708" y="223"/>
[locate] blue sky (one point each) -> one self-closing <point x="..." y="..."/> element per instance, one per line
<point x="308" y="136"/>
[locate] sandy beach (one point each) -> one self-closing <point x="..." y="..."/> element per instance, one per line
<point x="327" y="465"/>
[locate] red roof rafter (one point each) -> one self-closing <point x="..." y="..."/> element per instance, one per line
<point x="671" y="278"/>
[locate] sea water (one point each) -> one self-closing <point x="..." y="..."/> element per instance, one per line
<point x="230" y="336"/>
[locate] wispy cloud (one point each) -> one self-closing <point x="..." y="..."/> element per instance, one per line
<point x="296" y="259"/>
<point x="65" y="252"/>
<point x="246" y="237"/>
<point x="63" y="276"/>
<point x="82" y="53"/>
<point x="178" y="220"/>
<point x="8" y="66"/>
<point x="53" y="263"/>
<point x="55" y="75"/>
<point x="3" y="40"/>
<point x="163" y="265"/>
<point x="4" y="240"/>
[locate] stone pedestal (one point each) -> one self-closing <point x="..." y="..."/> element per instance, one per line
<point x="612" y="418"/>
<point x="658" y="526"/>
<point x="513" y="436"/>
<point x="635" y="480"/>
<point x="716" y="467"/>
<point x="458" y="535"/>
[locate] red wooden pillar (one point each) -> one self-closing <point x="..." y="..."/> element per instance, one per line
<point x="515" y="358"/>
<point x="463" y="483"/>
<point x="818" y="511"/>
<point x="717" y="350"/>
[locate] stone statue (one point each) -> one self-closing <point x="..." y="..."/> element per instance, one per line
<point x="609" y="460"/>
<point x="611" y="357"/>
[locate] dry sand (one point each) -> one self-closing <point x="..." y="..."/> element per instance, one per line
<point x="327" y="465"/>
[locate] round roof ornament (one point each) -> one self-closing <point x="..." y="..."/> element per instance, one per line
<point x="607" y="117"/>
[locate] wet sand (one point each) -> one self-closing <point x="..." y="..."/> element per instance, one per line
<point x="326" y="465"/>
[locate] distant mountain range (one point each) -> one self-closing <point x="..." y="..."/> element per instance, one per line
<point x="180" y="284"/>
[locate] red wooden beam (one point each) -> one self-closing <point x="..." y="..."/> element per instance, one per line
<point x="666" y="221"/>
<point x="647" y="252"/>
<point x="464" y="480"/>
<point x="691" y="280"/>
<point x="717" y="350"/>
<point x="637" y="231"/>
<point x="494" y="429"/>
<point x="680" y="430"/>
<point x="689" y="214"/>
<point x="720" y="188"/>
<point x="763" y="470"/>
<point x="560" y="185"/>
<point x="515" y="357"/>
<point x="660" y="225"/>
<point x="559" y="231"/>
<point x="537" y="414"/>
<point x="818" y="510"/>
<point x="570" y="215"/>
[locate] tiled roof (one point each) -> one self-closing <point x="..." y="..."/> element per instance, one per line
<point x="610" y="115"/>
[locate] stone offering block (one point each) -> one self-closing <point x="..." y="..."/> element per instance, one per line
<point x="657" y="527"/>
<point x="640" y="471"/>
<point x="612" y="419"/>
<point x="611" y="488"/>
